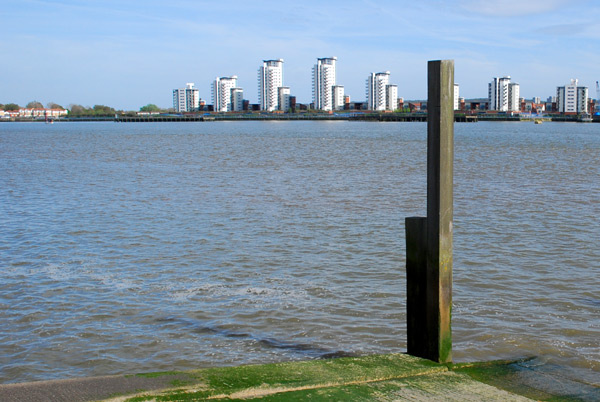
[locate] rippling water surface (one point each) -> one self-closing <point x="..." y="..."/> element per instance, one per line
<point x="147" y="247"/>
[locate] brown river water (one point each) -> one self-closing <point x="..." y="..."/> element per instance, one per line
<point x="171" y="246"/>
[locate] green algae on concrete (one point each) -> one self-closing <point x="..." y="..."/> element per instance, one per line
<point x="531" y="378"/>
<point x="379" y="377"/>
<point x="368" y="378"/>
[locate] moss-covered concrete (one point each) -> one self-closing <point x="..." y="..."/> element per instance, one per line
<point x="369" y="378"/>
<point x="380" y="377"/>
<point x="531" y="378"/>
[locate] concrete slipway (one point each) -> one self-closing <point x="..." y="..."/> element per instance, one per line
<point x="393" y="377"/>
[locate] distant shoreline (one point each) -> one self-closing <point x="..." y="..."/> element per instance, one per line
<point x="375" y="117"/>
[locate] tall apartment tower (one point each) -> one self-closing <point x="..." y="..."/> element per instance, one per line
<point x="572" y="98"/>
<point x="221" y="93"/>
<point x="514" y="100"/>
<point x="456" y="97"/>
<point x="498" y="93"/>
<point x="186" y="99"/>
<point x="376" y="90"/>
<point x="323" y="83"/>
<point x="270" y="77"/>
<point x="503" y="95"/>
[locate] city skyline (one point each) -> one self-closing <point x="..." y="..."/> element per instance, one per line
<point x="129" y="54"/>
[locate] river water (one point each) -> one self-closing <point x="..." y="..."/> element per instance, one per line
<point x="171" y="246"/>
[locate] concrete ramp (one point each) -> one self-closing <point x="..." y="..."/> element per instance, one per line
<point x="371" y="378"/>
<point x="393" y="377"/>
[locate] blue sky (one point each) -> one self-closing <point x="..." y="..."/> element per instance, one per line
<point x="127" y="54"/>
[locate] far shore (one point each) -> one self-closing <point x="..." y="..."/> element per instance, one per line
<point x="342" y="115"/>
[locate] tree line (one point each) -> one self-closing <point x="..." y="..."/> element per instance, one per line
<point x="76" y="110"/>
<point x="30" y="105"/>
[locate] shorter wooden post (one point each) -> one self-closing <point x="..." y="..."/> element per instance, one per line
<point x="416" y="281"/>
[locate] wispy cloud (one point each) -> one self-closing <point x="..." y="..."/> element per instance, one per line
<point x="133" y="48"/>
<point x="512" y="8"/>
<point x="563" y="29"/>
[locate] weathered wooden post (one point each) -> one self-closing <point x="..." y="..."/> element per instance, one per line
<point x="429" y="240"/>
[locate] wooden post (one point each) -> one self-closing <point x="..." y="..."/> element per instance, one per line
<point x="429" y="325"/>
<point x="416" y="280"/>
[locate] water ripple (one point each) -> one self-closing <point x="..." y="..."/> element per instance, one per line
<point x="128" y="248"/>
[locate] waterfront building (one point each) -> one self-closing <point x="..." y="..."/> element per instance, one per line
<point x="284" y="99"/>
<point x="221" y="93"/>
<point x="11" y="114"/>
<point x="503" y="95"/>
<point x="477" y="104"/>
<point x="376" y="90"/>
<point x="391" y="97"/>
<point x="270" y="78"/>
<point x="237" y="99"/>
<point x="339" y="97"/>
<point x="186" y="99"/>
<point x="498" y="93"/>
<point x="514" y="100"/>
<point x="456" y="97"/>
<point x="33" y="113"/>
<point x="401" y="103"/>
<point x="324" y="78"/>
<point x="572" y="98"/>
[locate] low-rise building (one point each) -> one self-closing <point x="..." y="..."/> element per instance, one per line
<point x="40" y="113"/>
<point x="534" y="106"/>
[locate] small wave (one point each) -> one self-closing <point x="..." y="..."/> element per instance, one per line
<point x="267" y="342"/>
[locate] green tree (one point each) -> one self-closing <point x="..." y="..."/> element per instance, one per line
<point x="34" y="105"/>
<point x="12" y="106"/>
<point x="150" y="108"/>
<point x="77" y="110"/>
<point x="101" y="110"/>
<point x="52" y="105"/>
